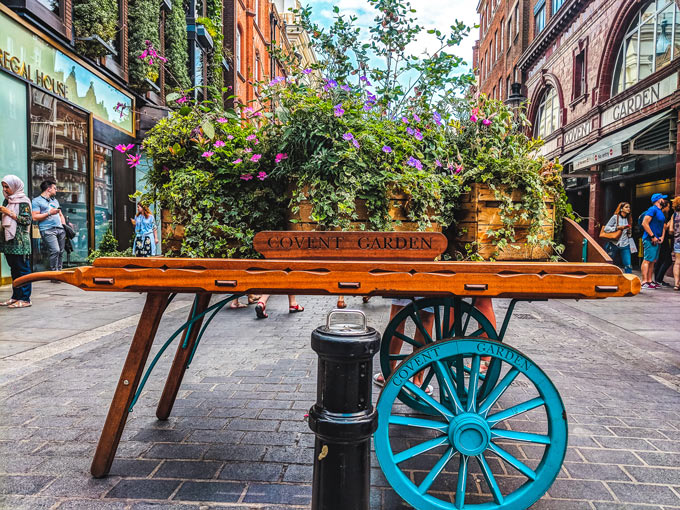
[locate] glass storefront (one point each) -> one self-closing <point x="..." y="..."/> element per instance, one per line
<point x="103" y="192"/>
<point x="60" y="152"/>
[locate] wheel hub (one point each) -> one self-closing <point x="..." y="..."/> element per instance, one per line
<point x="469" y="434"/>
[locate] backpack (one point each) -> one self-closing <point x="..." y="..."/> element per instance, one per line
<point x="638" y="231"/>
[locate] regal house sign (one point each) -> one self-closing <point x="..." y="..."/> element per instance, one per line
<point x="31" y="58"/>
<point x="642" y="99"/>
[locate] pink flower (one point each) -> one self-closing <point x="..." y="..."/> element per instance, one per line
<point x="237" y="161"/>
<point x="473" y="118"/>
<point x="133" y="160"/>
<point x="247" y="149"/>
<point x="246" y="177"/>
<point x="253" y="138"/>
<point x="280" y="157"/>
<point x="182" y="100"/>
<point x="255" y="158"/>
<point x="475" y="111"/>
<point x="459" y="169"/>
<point x="416" y="118"/>
<point x="355" y="143"/>
<point x="220" y="143"/>
<point x="207" y="154"/>
<point x="262" y="176"/>
<point x="222" y="120"/>
<point x="230" y="137"/>
<point x="486" y="122"/>
<point x="124" y="148"/>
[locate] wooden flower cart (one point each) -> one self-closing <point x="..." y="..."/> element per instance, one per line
<point x="464" y="357"/>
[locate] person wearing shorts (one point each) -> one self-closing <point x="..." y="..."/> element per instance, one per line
<point x="653" y="224"/>
<point x="674" y="229"/>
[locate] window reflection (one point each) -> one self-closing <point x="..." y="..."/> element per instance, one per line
<point x="103" y="192"/>
<point x="547" y="115"/>
<point x="59" y="152"/>
<point x="52" y="5"/>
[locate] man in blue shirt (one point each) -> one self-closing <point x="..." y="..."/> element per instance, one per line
<point x="47" y="214"/>
<point x="653" y="225"/>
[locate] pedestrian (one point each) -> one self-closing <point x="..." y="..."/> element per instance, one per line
<point x="47" y="213"/>
<point x="620" y="222"/>
<point x="653" y="225"/>
<point x="15" y="240"/>
<point x="665" y="249"/>
<point x="145" y="231"/>
<point x="261" y="306"/>
<point x="674" y="230"/>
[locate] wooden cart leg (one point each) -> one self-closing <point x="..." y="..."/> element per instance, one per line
<point x="127" y="384"/>
<point x="179" y="365"/>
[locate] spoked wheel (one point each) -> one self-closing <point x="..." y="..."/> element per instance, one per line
<point x="452" y="317"/>
<point x="519" y="430"/>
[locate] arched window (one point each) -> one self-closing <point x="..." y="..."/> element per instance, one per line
<point x="548" y="114"/>
<point x="651" y="42"/>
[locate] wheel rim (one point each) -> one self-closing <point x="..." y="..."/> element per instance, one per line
<point x="459" y="324"/>
<point x="476" y="432"/>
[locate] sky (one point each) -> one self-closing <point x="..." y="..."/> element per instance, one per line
<point x="439" y="14"/>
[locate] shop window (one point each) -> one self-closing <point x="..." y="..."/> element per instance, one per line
<point x="547" y="114"/>
<point x="103" y="191"/>
<point x="48" y="146"/>
<point x="539" y="18"/>
<point x="650" y="43"/>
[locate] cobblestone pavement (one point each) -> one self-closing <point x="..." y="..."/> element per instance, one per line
<point x="237" y="437"/>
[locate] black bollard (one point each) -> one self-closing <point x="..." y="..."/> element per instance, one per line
<point x="343" y="417"/>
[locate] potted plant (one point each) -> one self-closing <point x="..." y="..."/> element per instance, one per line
<point x="95" y="23"/>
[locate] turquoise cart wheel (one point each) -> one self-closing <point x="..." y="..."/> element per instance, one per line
<point x="519" y="430"/>
<point x="452" y="317"/>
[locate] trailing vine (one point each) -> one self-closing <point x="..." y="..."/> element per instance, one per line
<point x="95" y="17"/>
<point x="143" y="16"/>
<point x="177" y="47"/>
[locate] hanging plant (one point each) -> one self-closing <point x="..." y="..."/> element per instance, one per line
<point x="212" y="23"/>
<point x="177" y="47"/>
<point x="143" y="16"/>
<point x="97" y="21"/>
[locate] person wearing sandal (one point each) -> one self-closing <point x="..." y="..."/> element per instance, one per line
<point x="674" y="230"/>
<point x="261" y="307"/>
<point x="15" y="241"/>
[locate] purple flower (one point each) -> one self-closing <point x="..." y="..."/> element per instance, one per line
<point x="182" y="100"/>
<point x="438" y="163"/>
<point x="414" y="163"/>
<point x="473" y="118"/>
<point x="348" y="136"/>
<point x="280" y="157"/>
<point x="307" y="71"/>
<point x="262" y="176"/>
<point x="330" y="84"/>
<point x="437" y="118"/>
<point x="418" y="135"/>
<point x="404" y="120"/>
<point x="387" y="149"/>
<point x="338" y="111"/>
<point x="410" y="131"/>
<point x="237" y="161"/>
<point x="276" y="81"/>
<point x="133" y="160"/>
<point x="368" y="107"/>
<point x="207" y="154"/>
<point x="220" y="143"/>
<point x="356" y="144"/>
<point x="365" y="80"/>
<point x="246" y="177"/>
<point x="416" y="118"/>
<point x="346" y="88"/>
<point x="222" y="120"/>
<point x="255" y="158"/>
<point x="230" y="137"/>
<point x="486" y="122"/>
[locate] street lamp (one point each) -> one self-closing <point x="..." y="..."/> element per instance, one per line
<point x="515" y="99"/>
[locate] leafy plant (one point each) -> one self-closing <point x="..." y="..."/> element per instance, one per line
<point x="143" y="16"/>
<point x="177" y="47"/>
<point x="108" y="247"/>
<point x="95" y="17"/>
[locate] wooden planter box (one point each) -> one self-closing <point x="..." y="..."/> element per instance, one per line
<point x="480" y="213"/>
<point x="171" y="236"/>
<point x="398" y="212"/>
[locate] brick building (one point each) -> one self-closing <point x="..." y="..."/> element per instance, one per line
<point x="504" y="36"/>
<point x="601" y="77"/>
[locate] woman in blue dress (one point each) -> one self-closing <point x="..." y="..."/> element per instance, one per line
<point x="146" y="233"/>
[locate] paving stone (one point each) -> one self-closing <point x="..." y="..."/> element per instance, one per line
<point x="223" y="492"/>
<point x="165" y="505"/>
<point x="623" y="506"/>
<point x="250" y="453"/>
<point x="610" y="456"/>
<point x="270" y="438"/>
<point x="26" y="502"/>
<point x="639" y="493"/>
<point x="303" y="473"/>
<point x="161" y="435"/>
<point x="176" y="451"/>
<point x="623" y="443"/>
<point x="15" y="484"/>
<point x="665" y="476"/>
<point x="576" y="489"/>
<point x="278" y="493"/>
<point x="89" y="504"/>
<point x="251" y="471"/>
<point x="82" y="484"/>
<point x="133" y="467"/>
<point x="188" y="469"/>
<point x="254" y="425"/>
<point x="144" y="489"/>
<point x="603" y="472"/>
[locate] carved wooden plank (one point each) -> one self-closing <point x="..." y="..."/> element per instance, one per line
<point x="573" y="244"/>
<point x="350" y="245"/>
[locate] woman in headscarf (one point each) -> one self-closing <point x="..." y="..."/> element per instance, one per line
<point x="15" y="241"/>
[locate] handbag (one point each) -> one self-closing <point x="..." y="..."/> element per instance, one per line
<point x="611" y="236"/>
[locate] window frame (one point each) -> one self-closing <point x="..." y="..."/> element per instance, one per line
<point x="539" y="18"/>
<point x="540" y="121"/>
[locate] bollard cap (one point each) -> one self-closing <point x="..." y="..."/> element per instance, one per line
<point x="353" y="323"/>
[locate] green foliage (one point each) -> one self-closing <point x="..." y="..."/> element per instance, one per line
<point x="143" y="16"/>
<point x="108" y="247"/>
<point x="492" y="148"/>
<point x="213" y="24"/>
<point x="177" y="47"/>
<point x="95" y="17"/>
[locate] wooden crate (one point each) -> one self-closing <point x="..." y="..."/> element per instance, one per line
<point x="480" y="212"/>
<point x="171" y="235"/>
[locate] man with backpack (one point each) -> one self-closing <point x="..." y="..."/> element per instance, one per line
<point x="653" y="221"/>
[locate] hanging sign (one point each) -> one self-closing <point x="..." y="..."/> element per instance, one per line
<point x="598" y="157"/>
